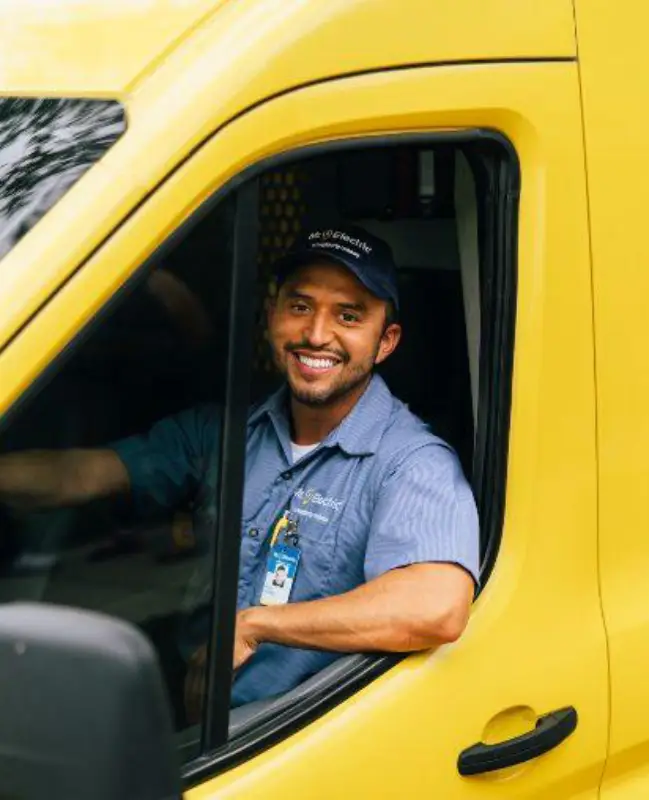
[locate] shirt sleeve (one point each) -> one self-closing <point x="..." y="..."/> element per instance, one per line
<point x="425" y="513"/>
<point x="165" y="465"/>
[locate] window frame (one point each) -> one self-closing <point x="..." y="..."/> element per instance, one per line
<point x="497" y="173"/>
<point x="496" y="170"/>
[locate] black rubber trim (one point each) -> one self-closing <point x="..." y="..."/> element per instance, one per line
<point x="498" y="185"/>
<point x="550" y="731"/>
<point x="241" y="331"/>
<point x="288" y="90"/>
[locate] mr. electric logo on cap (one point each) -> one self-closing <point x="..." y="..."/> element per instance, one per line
<point x="337" y="240"/>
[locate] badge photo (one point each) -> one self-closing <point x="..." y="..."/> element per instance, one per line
<point x="281" y="569"/>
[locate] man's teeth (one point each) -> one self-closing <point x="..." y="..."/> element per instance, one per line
<point x="317" y="363"/>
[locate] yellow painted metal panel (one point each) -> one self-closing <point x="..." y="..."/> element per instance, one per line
<point x="248" y="51"/>
<point x="102" y="46"/>
<point x="615" y="83"/>
<point x="536" y="641"/>
<point x="92" y="48"/>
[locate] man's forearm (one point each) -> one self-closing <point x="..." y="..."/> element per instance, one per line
<point x="402" y="611"/>
<point x="31" y="479"/>
<point x="52" y="478"/>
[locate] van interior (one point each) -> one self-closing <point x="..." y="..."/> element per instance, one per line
<point x="135" y="366"/>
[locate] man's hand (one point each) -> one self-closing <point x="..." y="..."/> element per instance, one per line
<point x="245" y="641"/>
<point x="245" y="645"/>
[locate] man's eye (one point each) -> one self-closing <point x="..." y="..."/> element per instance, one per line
<point x="349" y="318"/>
<point x="301" y="308"/>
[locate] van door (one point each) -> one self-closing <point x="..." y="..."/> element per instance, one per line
<point x="536" y="631"/>
<point x="618" y="173"/>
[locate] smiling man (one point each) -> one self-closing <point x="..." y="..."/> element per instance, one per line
<point x="344" y="484"/>
<point x="363" y="513"/>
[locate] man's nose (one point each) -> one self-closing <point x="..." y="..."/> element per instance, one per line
<point x="318" y="330"/>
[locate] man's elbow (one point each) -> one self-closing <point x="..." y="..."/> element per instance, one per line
<point x="452" y="625"/>
<point x="440" y="626"/>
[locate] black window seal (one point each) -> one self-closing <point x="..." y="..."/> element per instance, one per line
<point x="232" y="466"/>
<point x="498" y="193"/>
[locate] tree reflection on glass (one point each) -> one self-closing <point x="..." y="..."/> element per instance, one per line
<point x="45" y="147"/>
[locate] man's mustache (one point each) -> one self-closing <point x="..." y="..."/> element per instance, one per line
<point x="304" y="345"/>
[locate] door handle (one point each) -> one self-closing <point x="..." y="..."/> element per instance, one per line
<point x="551" y="729"/>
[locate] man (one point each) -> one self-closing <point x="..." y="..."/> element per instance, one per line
<point x="366" y="509"/>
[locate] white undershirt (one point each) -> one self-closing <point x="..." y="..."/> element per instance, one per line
<point x="300" y="450"/>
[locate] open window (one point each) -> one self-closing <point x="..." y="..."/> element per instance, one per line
<point x="448" y="209"/>
<point x="177" y="340"/>
<point x="46" y="145"/>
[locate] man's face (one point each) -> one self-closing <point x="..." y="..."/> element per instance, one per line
<point x="327" y="331"/>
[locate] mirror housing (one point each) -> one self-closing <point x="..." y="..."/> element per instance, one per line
<point x="84" y="711"/>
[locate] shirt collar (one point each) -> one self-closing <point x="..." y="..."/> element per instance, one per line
<point x="358" y="434"/>
<point x="275" y="404"/>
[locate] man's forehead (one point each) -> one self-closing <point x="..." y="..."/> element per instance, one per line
<point x="326" y="276"/>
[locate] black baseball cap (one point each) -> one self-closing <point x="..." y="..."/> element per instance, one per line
<point x="367" y="256"/>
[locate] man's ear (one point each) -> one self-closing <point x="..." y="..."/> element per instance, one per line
<point x="389" y="340"/>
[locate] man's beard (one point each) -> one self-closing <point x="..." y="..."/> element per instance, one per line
<point x="321" y="398"/>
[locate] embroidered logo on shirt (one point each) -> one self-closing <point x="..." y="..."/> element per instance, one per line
<point x="312" y="497"/>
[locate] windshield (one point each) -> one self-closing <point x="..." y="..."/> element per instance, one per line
<point x="45" y="147"/>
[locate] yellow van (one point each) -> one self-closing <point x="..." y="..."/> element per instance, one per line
<point x="155" y="157"/>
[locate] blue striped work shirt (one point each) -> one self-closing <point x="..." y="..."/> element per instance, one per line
<point x="379" y="492"/>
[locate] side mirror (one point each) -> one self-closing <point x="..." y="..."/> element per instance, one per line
<point x="83" y="709"/>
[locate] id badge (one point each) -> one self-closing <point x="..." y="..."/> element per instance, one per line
<point x="281" y="569"/>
